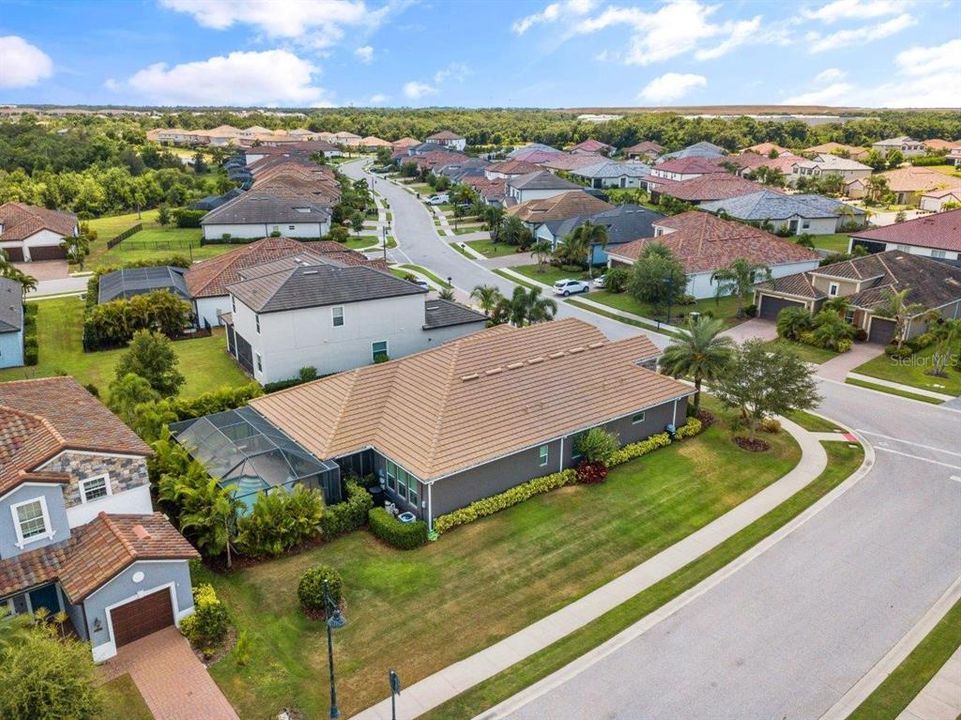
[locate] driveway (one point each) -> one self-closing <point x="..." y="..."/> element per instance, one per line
<point x="173" y="682"/>
<point x="45" y="269"/>
<point x="755" y="328"/>
<point x="837" y="368"/>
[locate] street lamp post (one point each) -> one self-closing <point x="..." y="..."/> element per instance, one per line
<point x="335" y="621"/>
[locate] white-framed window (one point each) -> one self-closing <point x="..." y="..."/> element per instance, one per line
<point x="637" y="418"/>
<point x="94" y="488"/>
<point x="337" y="316"/>
<point x="31" y="521"/>
<point x="257" y="322"/>
<point x="938" y="253"/>
<point x="805" y="224"/>
<point x="378" y="350"/>
<point x="391" y="476"/>
<point x="291" y="227"/>
<point x="904" y="248"/>
<point x="833" y="289"/>
<point x="411" y="489"/>
<point x="543" y="454"/>
<point x="260" y="363"/>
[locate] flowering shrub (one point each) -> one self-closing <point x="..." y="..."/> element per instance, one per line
<point x="690" y="429"/>
<point x="591" y="473"/>
<point x="207" y="627"/>
<point x="632" y="451"/>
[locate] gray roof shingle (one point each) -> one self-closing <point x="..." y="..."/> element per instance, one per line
<point x="770" y="205"/>
<point x="255" y="207"/>
<point x="444" y="313"/>
<point x="542" y="180"/>
<point x="11" y="306"/>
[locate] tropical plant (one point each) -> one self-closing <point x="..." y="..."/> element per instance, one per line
<point x="597" y="445"/>
<point x="208" y="513"/>
<point x="700" y="353"/>
<point x="657" y="277"/>
<point x="280" y="520"/>
<point x="126" y="393"/>
<point x="576" y="248"/>
<point x="831" y="331"/>
<point x="738" y="279"/>
<point x="446" y="293"/>
<point x="513" y="231"/>
<point x="151" y="356"/>
<point x="541" y="250"/>
<point x="494" y="218"/>
<point x="895" y="306"/>
<point x="946" y="333"/>
<point x="792" y="322"/>
<point x="487" y="297"/>
<point x="526" y="307"/>
<point x="207" y="627"/>
<point x="616" y="279"/>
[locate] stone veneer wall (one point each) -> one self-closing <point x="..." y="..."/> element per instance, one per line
<point x="124" y="472"/>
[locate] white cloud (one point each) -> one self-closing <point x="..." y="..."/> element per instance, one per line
<point x="319" y="23"/>
<point x="552" y="13"/>
<point x="830" y="75"/>
<point x="924" y="61"/>
<point x="22" y="64"/>
<point x="740" y="33"/>
<point x="365" y="54"/>
<point x="854" y="9"/>
<point x="860" y="35"/>
<point x="272" y="77"/>
<point x="671" y="86"/>
<point x="416" y="90"/>
<point x="455" y="71"/>
<point x="112" y="85"/>
<point x="377" y="99"/>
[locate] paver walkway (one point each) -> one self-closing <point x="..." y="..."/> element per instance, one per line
<point x="455" y="679"/>
<point x="173" y="682"/>
<point x="751" y="329"/>
<point x="940" y="699"/>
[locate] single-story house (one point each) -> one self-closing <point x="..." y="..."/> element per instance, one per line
<point x="766" y="148"/>
<point x="574" y="203"/>
<point x="613" y="173"/>
<point x="827" y="164"/>
<point x="865" y="282"/>
<point x="623" y="223"/>
<point x="704" y="244"/>
<point x="524" y="152"/>
<point x="448" y="139"/>
<point x="701" y="149"/>
<point x="936" y="236"/>
<point x="492" y="410"/>
<point x="29" y="233"/>
<point x="125" y="283"/>
<point x="404" y="143"/>
<point x="508" y="169"/>
<point x="258" y="214"/>
<point x="799" y="214"/>
<point x="538" y="186"/>
<point x="645" y="150"/>
<point x="303" y="311"/>
<point x="906" y="145"/>
<point x="562" y="162"/>
<point x="705" y="188"/>
<point x="78" y="532"/>
<point x="11" y="323"/>
<point x="835" y="148"/>
<point x="936" y="145"/>
<point x="592" y="147"/>
<point x="908" y="184"/>
<point x="939" y="200"/>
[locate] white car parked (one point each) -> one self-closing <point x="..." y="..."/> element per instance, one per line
<point x="570" y="287"/>
<point x="438" y="199"/>
<point x="600" y="281"/>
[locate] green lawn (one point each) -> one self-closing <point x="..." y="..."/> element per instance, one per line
<point x="724" y="308"/>
<point x="842" y="461"/>
<point x="467" y="230"/>
<point x="203" y="361"/>
<point x="835" y="243"/>
<point x="478" y="583"/>
<point x="362" y="241"/>
<point x="808" y="353"/>
<point x="122" y="699"/>
<point x="909" y="678"/>
<point x="490" y="249"/>
<point x="628" y="321"/>
<point x="913" y="371"/>
<point x="812" y="422"/>
<point x="549" y="274"/>
<point x="427" y="273"/>
<point x="113" y="225"/>
<point x="945" y="169"/>
<point x="891" y="391"/>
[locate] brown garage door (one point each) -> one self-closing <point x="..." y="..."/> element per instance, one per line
<point x="14" y="254"/>
<point x="882" y="331"/>
<point x="141" y="617"/>
<point x="47" y="252"/>
<point x="771" y="306"/>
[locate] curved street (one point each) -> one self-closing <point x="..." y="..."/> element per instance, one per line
<point x="791" y="632"/>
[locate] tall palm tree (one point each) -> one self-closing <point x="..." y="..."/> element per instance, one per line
<point x="738" y="279"/>
<point x="487" y="296"/>
<point x="494" y="217"/>
<point x="541" y="250"/>
<point x="526" y="307"/>
<point x="513" y="231"/>
<point x="895" y="306"/>
<point x="701" y="353"/>
<point x="539" y="309"/>
<point x="576" y="248"/>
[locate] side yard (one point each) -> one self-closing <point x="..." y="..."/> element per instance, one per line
<point x="913" y="371"/>
<point x="490" y="249"/>
<point x="204" y="361"/>
<point x="419" y="611"/>
<point x="724" y="308"/>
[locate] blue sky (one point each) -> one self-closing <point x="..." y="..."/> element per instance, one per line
<point x="569" y="53"/>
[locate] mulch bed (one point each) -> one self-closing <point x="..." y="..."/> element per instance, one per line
<point x="707" y="419"/>
<point x="756" y="445"/>
<point x="219" y="653"/>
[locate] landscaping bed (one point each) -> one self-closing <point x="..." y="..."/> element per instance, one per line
<point x="480" y="582"/>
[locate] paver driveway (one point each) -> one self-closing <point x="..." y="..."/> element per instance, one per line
<point x="173" y="682"/>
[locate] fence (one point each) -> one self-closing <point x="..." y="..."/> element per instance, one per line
<point x="114" y="241"/>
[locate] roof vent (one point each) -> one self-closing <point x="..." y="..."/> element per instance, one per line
<point x="578" y="349"/>
<point x="431" y="307"/>
<point x="494" y="371"/>
<point x="141" y="532"/>
<point x="595" y="345"/>
<point x="310" y="272"/>
<point x="555" y="355"/>
<point x="514" y="365"/>
<point x="472" y="376"/>
<point x="534" y="361"/>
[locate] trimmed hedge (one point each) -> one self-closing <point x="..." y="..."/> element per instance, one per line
<point x="310" y="589"/>
<point x="348" y="515"/>
<point x="691" y="428"/>
<point x="31" y="347"/>
<point x="404" y="536"/>
<point x="639" y="449"/>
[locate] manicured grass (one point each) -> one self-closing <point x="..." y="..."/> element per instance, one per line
<point x="362" y="241"/>
<point x="891" y="391"/>
<point x="811" y="422"/>
<point x="913" y="371"/>
<point x="549" y="274"/>
<point x="945" y="169"/>
<point x="724" y="308"/>
<point x="649" y="327"/>
<point x="835" y="243"/>
<point x="462" y="251"/>
<point x="808" y="353"/>
<point x="113" y="225"/>
<point x="467" y="230"/>
<point x="419" y="611"/>
<point x="204" y="361"/>
<point x="490" y="249"/>
<point x="908" y="679"/>
<point x="518" y="281"/>
<point x="427" y="273"/>
<point x="122" y="699"/>
<point x="842" y="461"/>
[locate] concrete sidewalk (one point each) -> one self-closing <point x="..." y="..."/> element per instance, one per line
<point x="461" y="676"/>
<point x="940" y="699"/>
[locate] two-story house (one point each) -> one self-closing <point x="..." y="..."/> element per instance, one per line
<point x="300" y="312"/>
<point x="450" y="140"/>
<point x="78" y="532"/>
<point x="908" y="147"/>
<point x="538" y="185"/>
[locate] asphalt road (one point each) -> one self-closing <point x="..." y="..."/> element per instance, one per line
<point x="790" y="633"/>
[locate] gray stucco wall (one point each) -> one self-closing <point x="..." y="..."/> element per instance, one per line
<point x="125" y="472"/>
<point x="11" y="349"/>
<point x="53" y="494"/>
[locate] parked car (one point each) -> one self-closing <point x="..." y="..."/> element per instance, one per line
<point x="438" y="199"/>
<point x="569" y="287"/>
<point x="600" y="281"/>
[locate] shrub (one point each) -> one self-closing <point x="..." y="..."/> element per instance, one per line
<point x="187" y="218"/>
<point x="845" y="344"/>
<point x="860" y="335"/>
<point x="771" y="425"/>
<point x="310" y="589"/>
<point x="279" y="521"/>
<point x="404" y="536"/>
<point x="591" y="473"/>
<point x="348" y="515"/>
<point x="207" y="627"/>
<point x="921" y="341"/>
<point x="898" y="353"/>
<point x="615" y="279"/>
<point x="597" y="445"/>
<point x="750" y="310"/>
<point x="691" y="428"/>
<point x="792" y="322"/>
<point x="242" y="650"/>
<point x="686" y="299"/>
<point x="307" y="373"/>
<point x="635" y="450"/>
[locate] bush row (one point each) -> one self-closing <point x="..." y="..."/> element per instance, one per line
<point x="114" y="323"/>
<point x="348" y="515"/>
<point x="404" y="536"/>
<point x="632" y="451"/>
<point x="31" y="347"/>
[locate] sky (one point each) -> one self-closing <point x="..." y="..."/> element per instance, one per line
<point x="481" y="53"/>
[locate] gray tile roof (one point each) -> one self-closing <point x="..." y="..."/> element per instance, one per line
<point x="445" y="313"/>
<point x="624" y="223"/>
<point x="700" y="149"/>
<point x="770" y="205"/>
<point x="613" y="169"/>
<point x="317" y="286"/>
<point x="11" y="306"/>
<point x="258" y="207"/>
<point x="542" y="180"/>
<point x="127" y="282"/>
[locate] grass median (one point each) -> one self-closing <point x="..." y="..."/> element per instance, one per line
<point x="892" y="391"/>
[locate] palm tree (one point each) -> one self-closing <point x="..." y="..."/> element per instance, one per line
<point x="539" y="309"/>
<point x="210" y="512"/>
<point x="513" y="231"/>
<point x="578" y="244"/>
<point x="494" y="217"/>
<point x="541" y="250"/>
<point x="945" y="334"/>
<point x="895" y="306"/>
<point x="701" y="353"/>
<point x="738" y="279"/>
<point x="487" y="297"/>
<point x="526" y="307"/>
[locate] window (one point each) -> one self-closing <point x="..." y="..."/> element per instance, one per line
<point x="94" y="488"/>
<point x="337" y="316"/>
<point x="833" y="289"/>
<point x="904" y="248"/>
<point x="637" y="418"/>
<point x="937" y="253"/>
<point x="260" y="363"/>
<point x="257" y="322"/>
<point x="401" y="482"/>
<point x="291" y="227"/>
<point x="391" y="476"/>
<point x="412" y="489"/>
<point x="805" y="224"/>
<point x="379" y="351"/>
<point x="30" y="520"/>
<point x="543" y="454"/>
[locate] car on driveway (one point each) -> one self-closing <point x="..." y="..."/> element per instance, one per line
<point x="600" y="281"/>
<point x="438" y="199"/>
<point x="570" y="287"/>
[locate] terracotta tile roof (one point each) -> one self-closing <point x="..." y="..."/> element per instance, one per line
<point x="716" y="186"/>
<point x="444" y="135"/>
<point x="95" y="553"/>
<point x="39" y="418"/>
<point x="702" y="242"/>
<point x="559" y="207"/>
<point x="513" y="167"/>
<point x="765" y="148"/>
<point x="405" y="142"/>
<point x="591" y="146"/>
<point x="541" y="180"/>
<point x="939" y="144"/>
<point x="485" y="396"/>
<point x="489" y="189"/>
<point x="20" y="221"/>
<point x="919" y="179"/>
<point x="209" y="278"/>
<point x="941" y="231"/>
<point x="692" y="165"/>
<point x="569" y="162"/>
<point x="835" y="147"/>
<point x="646" y="147"/>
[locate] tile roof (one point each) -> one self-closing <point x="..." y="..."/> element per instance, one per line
<point x="939" y="144"/>
<point x="918" y="179"/>
<point x="513" y="167"/>
<point x="18" y="221"/>
<point x="605" y="168"/>
<point x="835" y="147"/>
<point x="941" y="231"/>
<point x="445" y="313"/>
<point x="541" y="180"/>
<point x="405" y="142"/>
<point x="536" y="155"/>
<point x="11" y="305"/>
<point x="624" y="223"/>
<point x="771" y="205"/>
<point x="716" y="186"/>
<point x="702" y="242"/>
<point x="485" y="396"/>
<point x="39" y="418"/>
<point x="568" y="162"/>
<point x="445" y="135"/>
<point x="765" y="148"/>
<point x="257" y="207"/>
<point x="827" y="163"/>
<point x="95" y="553"/>
<point x="692" y="165"/>
<point x="559" y="207"/>
<point x="646" y="147"/>
<point x="701" y="149"/>
<point x="591" y="146"/>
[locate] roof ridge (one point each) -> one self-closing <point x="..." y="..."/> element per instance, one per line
<point x="127" y="545"/>
<point x="50" y="427"/>
<point x="448" y="386"/>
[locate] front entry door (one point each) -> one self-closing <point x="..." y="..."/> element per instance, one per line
<point x="46" y="597"/>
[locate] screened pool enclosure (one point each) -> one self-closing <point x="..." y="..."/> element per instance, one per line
<point x="248" y="456"/>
